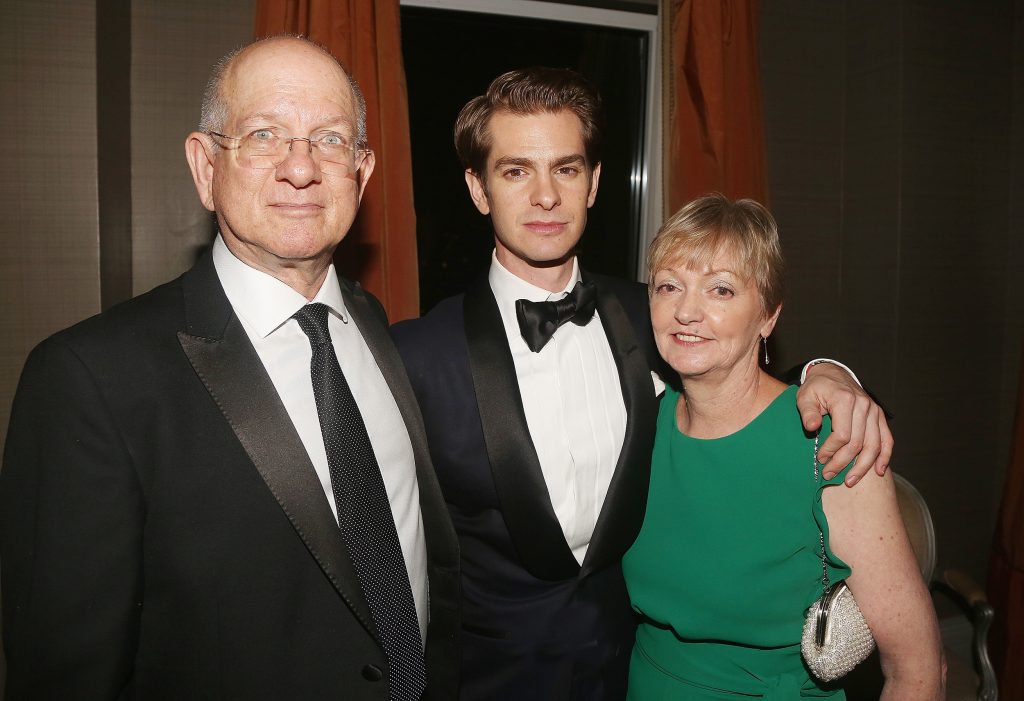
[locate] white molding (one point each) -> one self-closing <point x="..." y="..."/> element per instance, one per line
<point x="650" y="187"/>
<point x="650" y="175"/>
<point x="546" y="10"/>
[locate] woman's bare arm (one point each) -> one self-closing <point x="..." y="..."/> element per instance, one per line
<point x="866" y="531"/>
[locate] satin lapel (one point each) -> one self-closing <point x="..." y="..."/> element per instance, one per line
<point x="442" y="543"/>
<point x="220" y="351"/>
<point x="623" y="510"/>
<point x="518" y="480"/>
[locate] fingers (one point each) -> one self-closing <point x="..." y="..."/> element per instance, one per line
<point x="887" y="443"/>
<point x="841" y="409"/>
<point x="810" y="411"/>
<point x="869" y="451"/>
<point x="850" y="428"/>
<point x="872" y="451"/>
<point x="859" y="428"/>
<point x="811" y="418"/>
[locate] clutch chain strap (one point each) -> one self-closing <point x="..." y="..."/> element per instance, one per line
<point x="821" y="535"/>
<point x="821" y="615"/>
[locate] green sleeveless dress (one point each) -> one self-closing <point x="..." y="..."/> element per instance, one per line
<point x="728" y="560"/>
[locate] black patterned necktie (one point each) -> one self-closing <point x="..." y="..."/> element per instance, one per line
<point x="538" y="321"/>
<point x="364" y="513"/>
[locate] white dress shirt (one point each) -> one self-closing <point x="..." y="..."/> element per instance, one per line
<point x="573" y="403"/>
<point x="265" y="306"/>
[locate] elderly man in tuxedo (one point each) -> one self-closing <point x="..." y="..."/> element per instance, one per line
<point x="539" y="404"/>
<point x="221" y="488"/>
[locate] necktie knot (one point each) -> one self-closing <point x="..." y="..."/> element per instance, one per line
<point x="312" y="320"/>
<point x="538" y="321"/>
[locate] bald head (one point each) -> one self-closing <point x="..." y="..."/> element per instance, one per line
<point x="262" y="55"/>
<point x="285" y="211"/>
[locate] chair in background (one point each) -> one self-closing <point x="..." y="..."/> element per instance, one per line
<point x="965" y="681"/>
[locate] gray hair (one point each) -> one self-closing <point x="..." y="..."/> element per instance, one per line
<point x="215" y="111"/>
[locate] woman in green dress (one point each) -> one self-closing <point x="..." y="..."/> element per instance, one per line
<point x="727" y="562"/>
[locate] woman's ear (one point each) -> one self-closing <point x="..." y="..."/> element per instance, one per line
<point x="769" y="323"/>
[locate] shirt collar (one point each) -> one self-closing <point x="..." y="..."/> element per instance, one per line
<point x="262" y="301"/>
<point x="507" y="287"/>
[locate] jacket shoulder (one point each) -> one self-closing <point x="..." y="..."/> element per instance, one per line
<point x="128" y="322"/>
<point x="439" y="327"/>
<point x="635" y="301"/>
<point x="357" y="291"/>
<point x="631" y="294"/>
<point x="633" y="297"/>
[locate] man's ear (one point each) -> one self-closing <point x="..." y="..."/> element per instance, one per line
<point x="199" y="154"/>
<point x="478" y="192"/>
<point x="364" y="171"/>
<point x="594" y="177"/>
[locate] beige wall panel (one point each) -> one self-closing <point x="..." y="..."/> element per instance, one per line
<point x="49" y="270"/>
<point x="173" y="47"/>
<point x="894" y="167"/>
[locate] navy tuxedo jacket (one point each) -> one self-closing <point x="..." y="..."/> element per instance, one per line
<point x="536" y="624"/>
<point x="163" y="532"/>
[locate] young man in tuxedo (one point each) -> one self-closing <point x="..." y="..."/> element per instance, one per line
<point x="539" y="404"/>
<point x="221" y="488"/>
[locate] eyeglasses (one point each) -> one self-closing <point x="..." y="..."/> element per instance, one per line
<point x="267" y="148"/>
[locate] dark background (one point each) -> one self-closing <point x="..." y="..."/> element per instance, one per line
<point x="895" y="139"/>
<point x="450" y="58"/>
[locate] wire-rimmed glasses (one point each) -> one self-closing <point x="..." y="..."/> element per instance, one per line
<point x="267" y="147"/>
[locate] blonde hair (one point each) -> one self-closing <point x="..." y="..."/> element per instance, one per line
<point x="711" y="224"/>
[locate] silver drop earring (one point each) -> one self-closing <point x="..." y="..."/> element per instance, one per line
<point x="764" y="340"/>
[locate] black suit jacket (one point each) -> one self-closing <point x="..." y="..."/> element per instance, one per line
<point x="536" y="624"/>
<point x="163" y="533"/>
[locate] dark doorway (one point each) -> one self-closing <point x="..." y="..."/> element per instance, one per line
<point x="450" y="57"/>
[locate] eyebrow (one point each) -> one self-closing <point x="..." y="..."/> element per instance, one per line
<point x="706" y="273"/>
<point x="573" y="159"/>
<point x="274" y="117"/>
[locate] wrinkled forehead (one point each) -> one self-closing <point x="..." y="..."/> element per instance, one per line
<point x="287" y="76"/>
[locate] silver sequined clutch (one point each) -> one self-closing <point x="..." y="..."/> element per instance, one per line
<point x="836" y="637"/>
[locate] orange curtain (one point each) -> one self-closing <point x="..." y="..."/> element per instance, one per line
<point x="1006" y="569"/>
<point x="714" y="138"/>
<point x="380" y="250"/>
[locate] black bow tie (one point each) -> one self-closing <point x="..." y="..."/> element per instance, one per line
<point x="538" y="321"/>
